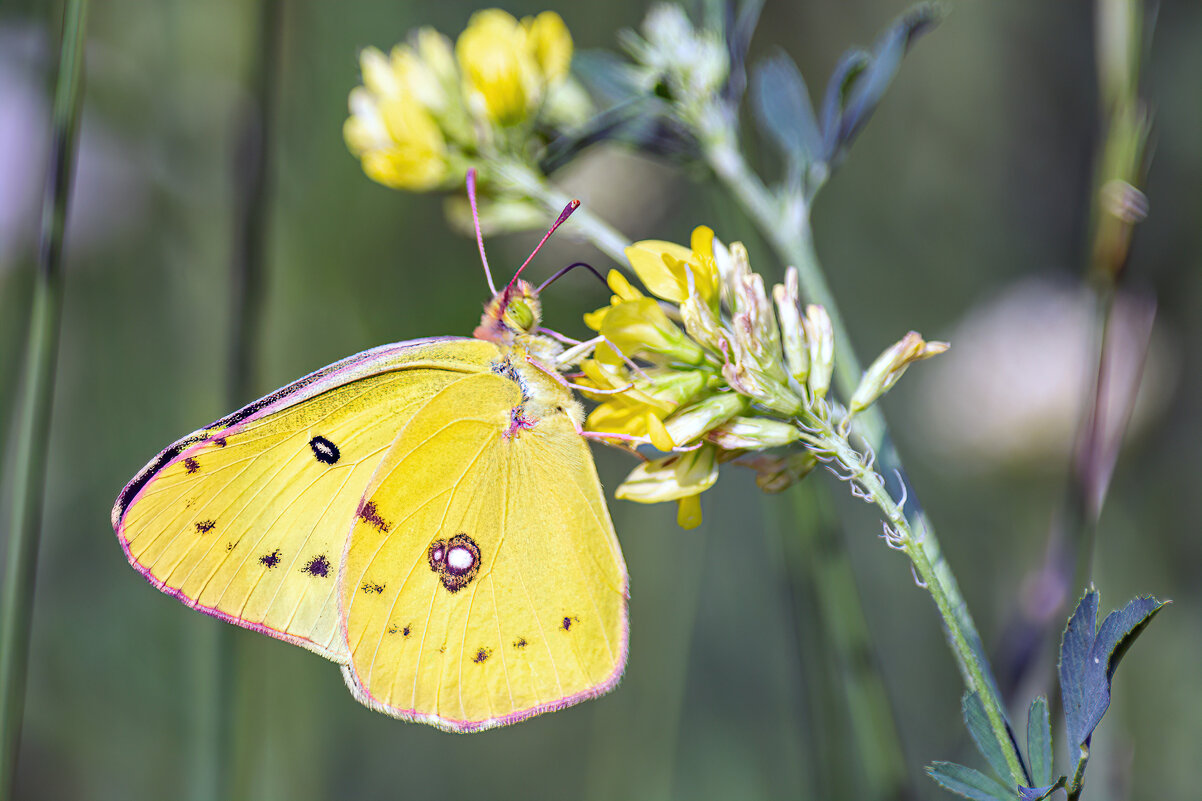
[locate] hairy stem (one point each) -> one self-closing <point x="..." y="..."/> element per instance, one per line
<point x="785" y="223"/>
<point x="903" y="536"/>
<point x="33" y="414"/>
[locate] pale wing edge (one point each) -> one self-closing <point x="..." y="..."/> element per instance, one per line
<point x="456" y="726"/>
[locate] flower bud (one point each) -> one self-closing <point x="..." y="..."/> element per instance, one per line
<point x="820" y="339"/>
<point x="752" y="434"/>
<point x="691" y="423"/>
<point x="641" y="327"/>
<point x="793" y="338"/>
<point x="672" y="477"/>
<point x="747" y="378"/>
<point x="880" y="377"/>
<point x="703" y="325"/>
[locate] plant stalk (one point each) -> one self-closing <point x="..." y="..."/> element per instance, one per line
<point x="37" y="396"/>
<point x="605" y="237"/>
<point x="786" y="226"/>
<point x="250" y="721"/>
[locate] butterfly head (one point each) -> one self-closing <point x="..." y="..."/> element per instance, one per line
<point x="513" y="314"/>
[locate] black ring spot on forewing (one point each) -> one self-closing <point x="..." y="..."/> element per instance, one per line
<point x="325" y="451"/>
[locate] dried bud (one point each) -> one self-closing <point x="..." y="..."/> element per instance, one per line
<point x="776" y="474"/>
<point x="889" y="367"/>
<point x="746" y="377"/>
<point x="703" y="325"/>
<point x="793" y="338"/>
<point x="820" y="339"/>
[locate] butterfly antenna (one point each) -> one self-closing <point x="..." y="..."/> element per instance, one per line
<point x="471" y="197"/>
<point x="567" y="270"/>
<point x="563" y="216"/>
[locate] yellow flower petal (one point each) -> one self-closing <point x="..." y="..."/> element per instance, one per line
<point x="621" y="287"/>
<point x="640" y="327"/>
<point x="551" y="45"/>
<point x="663" y="281"/>
<point x="688" y="512"/>
<point x="501" y="76"/>
<point x="672" y="477"/>
<point x="659" y="434"/>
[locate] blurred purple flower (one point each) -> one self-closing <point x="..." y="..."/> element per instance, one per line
<point x="110" y="188"/>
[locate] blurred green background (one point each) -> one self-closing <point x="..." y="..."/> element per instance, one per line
<point x="973" y="175"/>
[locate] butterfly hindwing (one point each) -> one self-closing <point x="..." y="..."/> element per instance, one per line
<point x="483" y="582"/>
<point x="247" y="519"/>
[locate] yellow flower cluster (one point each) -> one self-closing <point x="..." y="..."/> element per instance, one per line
<point x="428" y="109"/>
<point x="707" y="369"/>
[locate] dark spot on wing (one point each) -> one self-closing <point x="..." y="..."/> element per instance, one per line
<point x="405" y="631"/>
<point x="220" y="442"/>
<point x="520" y="642"/>
<point x="191" y="465"/>
<point x="325" y="451"/>
<point x="271" y="559"/>
<point x="205" y="526"/>
<point x="567" y="623"/>
<point x="318" y="566"/>
<point x="232" y="544"/>
<point x="456" y="561"/>
<point x="481" y="655"/>
<point x="369" y="514"/>
<point x="370" y="587"/>
<point x="442" y="649"/>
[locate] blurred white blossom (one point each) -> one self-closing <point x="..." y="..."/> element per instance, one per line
<point x="1012" y="391"/>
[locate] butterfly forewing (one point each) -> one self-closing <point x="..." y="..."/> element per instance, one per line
<point x="482" y="581"/>
<point x="248" y="519"/>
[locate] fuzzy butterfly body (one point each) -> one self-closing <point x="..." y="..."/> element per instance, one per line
<point x="427" y="514"/>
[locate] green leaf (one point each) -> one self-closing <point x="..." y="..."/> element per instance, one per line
<point x="861" y="78"/>
<point x="612" y="78"/>
<point x="782" y="107"/>
<point x="968" y="782"/>
<point x="977" y="723"/>
<point x="1039" y="742"/>
<point x="1088" y="659"/>
<point x="1074" y="650"/>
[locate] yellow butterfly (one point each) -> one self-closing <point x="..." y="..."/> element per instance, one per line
<point x="426" y="513"/>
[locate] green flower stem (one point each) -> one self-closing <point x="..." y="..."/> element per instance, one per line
<point x="903" y="536"/>
<point x="880" y="764"/>
<point x="33" y="415"/>
<point x="1077" y="783"/>
<point x="786" y="226"/>
<point x="536" y="187"/>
